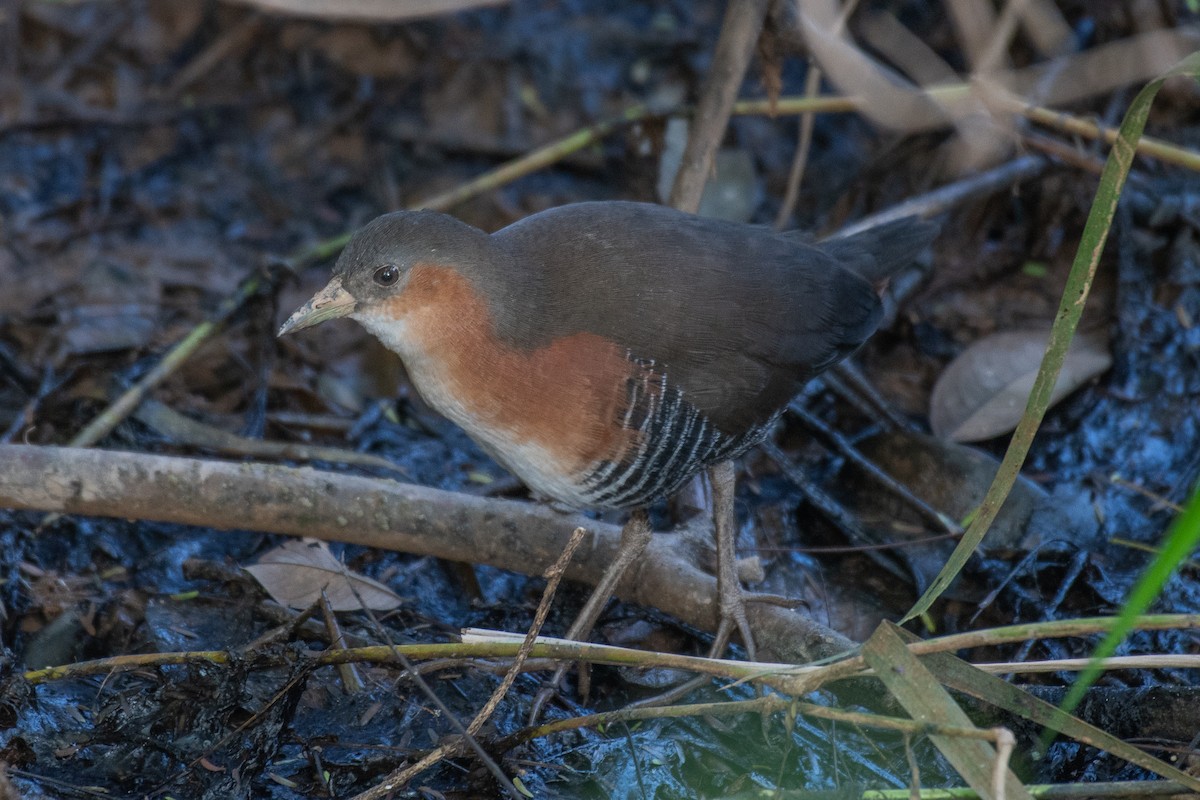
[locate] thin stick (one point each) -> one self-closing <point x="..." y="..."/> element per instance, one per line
<point x="124" y="405"/>
<point x="735" y="47"/>
<point x="812" y="84"/>
<point x="954" y="194"/>
<point x="553" y="578"/>
<point x="400" y="778"/>
<point x="1066" y="123"/>
<point x="533" y="161"/>
<point x="782" y="676"/>
<point x="222" y="50"/>
<point x="1146" y="146"/>
<point x="791" y="195"/>
<point x="768" y="704"/>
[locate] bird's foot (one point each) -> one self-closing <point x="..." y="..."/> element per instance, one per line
<point x="732" y="599"/>
<point x="730" y="595"/>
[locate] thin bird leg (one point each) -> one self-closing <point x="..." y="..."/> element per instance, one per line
<point x="634" y="538"/>
<point x="729" y="587"/>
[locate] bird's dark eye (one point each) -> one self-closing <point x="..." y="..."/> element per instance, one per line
<point x="387" y="275"/>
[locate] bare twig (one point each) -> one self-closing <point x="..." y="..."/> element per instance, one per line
<point x="231" y="41"/>
<point x="124" y="405"/>
<point x="537" y="159"/>
<point x="812" y="84"/>
<point x="553" y="578"/>
<point x="400" y="778"/>
<point x="182" y="429"/>
<point x="769" y="704"/>
<point x="522" y="537"/>
<point x="1146" y="146"/>
<point x="954" y="194"/>
<point x="835" y="441"/>
<point x="791" y="195"/>
<point x="352" y="681"/>
<point x="739" y="34"/>
<point x="477" y="645"/>
<point x="114" y="23"/>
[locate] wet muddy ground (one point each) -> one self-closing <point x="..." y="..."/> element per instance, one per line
<point x="155" y="155"/>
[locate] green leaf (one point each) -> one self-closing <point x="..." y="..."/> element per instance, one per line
<point x="1035" y="269"/>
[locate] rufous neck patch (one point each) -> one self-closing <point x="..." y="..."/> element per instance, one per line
<point x="565" y="397"/>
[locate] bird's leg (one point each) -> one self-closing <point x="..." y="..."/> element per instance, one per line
<point x="729" y="587"/>
<point x="634" y="538"/>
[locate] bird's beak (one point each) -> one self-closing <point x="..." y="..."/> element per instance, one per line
<point x="330" y="303"/>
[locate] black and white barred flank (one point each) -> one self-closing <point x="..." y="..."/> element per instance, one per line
<point x="674" y="442"/>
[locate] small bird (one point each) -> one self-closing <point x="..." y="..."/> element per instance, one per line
<point x="607" y="352"/>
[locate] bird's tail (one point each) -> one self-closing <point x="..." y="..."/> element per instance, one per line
<point x="880" y="252"/>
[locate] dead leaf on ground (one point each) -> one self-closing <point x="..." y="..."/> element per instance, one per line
<point x="953" y="478"/>
<point x="161" y="29"/>
<point x="112" y="307"/>
<point x="983" y="392"/>
<point x="375" y="10"/>
<point x="353" y="48"/>
<point x="296" y="573"/>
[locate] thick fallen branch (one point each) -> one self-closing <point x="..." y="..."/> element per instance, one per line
<point x="523" y="537"/>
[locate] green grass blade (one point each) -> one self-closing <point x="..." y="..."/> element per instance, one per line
<point x="1079" y="283"/>
<point x="1182" y="539"/>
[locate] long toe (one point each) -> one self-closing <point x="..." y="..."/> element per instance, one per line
<point x="733" y="618"/>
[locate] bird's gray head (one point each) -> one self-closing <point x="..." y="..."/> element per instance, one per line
<point x="377" y="261"/>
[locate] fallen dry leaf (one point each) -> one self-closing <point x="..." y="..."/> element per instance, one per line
<point x="375" y="10"/>
<point x="112" y="306"/>
<point x="296" y="573"/>
<point x="953" y="479"/>
<point x="982" y="393"/>
<point x="354" y="48"/>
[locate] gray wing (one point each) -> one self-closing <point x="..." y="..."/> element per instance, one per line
<point x="738" y="317"/>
